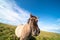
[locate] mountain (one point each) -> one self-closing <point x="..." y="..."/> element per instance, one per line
<point x="7" y="32"/>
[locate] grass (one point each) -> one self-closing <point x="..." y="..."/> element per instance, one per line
<point x="7" y="32"/>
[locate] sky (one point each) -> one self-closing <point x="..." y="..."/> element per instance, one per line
<point x="17" y="12"/>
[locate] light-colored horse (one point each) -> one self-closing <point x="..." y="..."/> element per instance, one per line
<point x="24" y="32"/>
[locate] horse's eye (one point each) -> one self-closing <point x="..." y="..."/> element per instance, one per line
<point x="31" y="20"/>
<point x="36" y="20"/>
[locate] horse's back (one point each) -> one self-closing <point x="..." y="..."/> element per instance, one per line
<point x="18" y="30"/>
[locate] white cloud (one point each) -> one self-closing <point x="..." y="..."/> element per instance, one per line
<point x="11" y="12"/>
<point x="53" y="27"/>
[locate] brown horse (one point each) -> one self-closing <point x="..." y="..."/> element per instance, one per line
<point x="24" y="32"/>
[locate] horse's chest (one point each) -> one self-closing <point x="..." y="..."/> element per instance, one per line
<point x="23" y="31"/>
<point x="26" y="31"/>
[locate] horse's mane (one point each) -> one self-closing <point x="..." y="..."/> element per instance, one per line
<point x="28" y="20"/>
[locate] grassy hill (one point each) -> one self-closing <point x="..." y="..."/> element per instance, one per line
<point x="7" y="33"/>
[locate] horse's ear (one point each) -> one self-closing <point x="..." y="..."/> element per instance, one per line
<point x="30" y="15"/>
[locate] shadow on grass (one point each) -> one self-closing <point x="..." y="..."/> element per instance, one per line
<point x="32" y="38"/>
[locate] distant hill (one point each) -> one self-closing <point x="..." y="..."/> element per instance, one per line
<point x="7" y="32"/>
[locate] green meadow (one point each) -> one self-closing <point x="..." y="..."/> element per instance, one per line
<point x="7" y="32"/>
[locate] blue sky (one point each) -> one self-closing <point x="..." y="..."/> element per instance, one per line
<point x="17" y="12"/>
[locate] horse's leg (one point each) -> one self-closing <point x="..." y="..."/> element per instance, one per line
<point x="18" y="38"/>
<point x="24" y="39"/>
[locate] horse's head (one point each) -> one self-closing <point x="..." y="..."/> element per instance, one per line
<point x="33" y="20"/>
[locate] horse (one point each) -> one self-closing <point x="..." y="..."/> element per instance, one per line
<point x="24" y="32"/>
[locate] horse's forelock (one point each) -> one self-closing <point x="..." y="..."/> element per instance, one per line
<point x="32" y="17"/>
